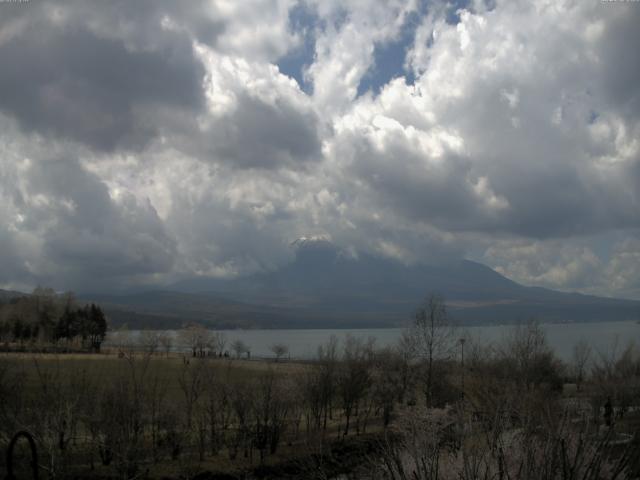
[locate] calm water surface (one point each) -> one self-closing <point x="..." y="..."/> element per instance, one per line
<point x="602" y="336"/>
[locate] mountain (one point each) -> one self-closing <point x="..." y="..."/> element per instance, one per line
<point x="160" y="309"/>
<point x="326" y="287"/>
<point x="7" y="295"/>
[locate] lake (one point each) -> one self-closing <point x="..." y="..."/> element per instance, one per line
<point x="303" y="344"/>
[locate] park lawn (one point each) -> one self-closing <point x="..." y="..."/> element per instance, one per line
<point x="104" y="368"/>
<point x="34" y="371"/>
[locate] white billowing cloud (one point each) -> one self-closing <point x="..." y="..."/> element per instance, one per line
<point x="255" y="29"/>
<point x="553" y="264"/>
<point x="569" y="266"/>
<point x="533" y="56"/>
<point x="256" y="116"/>
<point x="147" y="141"/>
<point x="623" y="270"/>
<point x="344" y="49"/>
<point x="411" y="164"/>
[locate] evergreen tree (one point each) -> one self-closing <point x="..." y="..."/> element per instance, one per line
<point x="98" y="327"/>
<point x="65" y="327"/>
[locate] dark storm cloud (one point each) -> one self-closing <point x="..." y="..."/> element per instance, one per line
<point x="560" y="204"/>
<point x="88" y="235"/>
<point x="65" y="80"/>
<point x="258" y="134"/>
<point x="139" y="21"/>
<point x="226" y="241"/>
<point x="424" y="189"/>
<point x="13" y="265"/>
<point x="620" y="61"/>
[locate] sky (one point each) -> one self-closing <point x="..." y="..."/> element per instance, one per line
<point x="151" y="141"/>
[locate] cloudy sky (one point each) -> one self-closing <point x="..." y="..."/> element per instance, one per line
<point x="145" y="142"/>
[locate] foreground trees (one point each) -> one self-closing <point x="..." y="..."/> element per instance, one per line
<point x="516" y="421"/>
<point x="561" y="450"/>
<point x="147" y="412"/>
<point x="431" y="336"/>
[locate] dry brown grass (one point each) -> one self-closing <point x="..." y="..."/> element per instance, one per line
<point x="103" y="368"/>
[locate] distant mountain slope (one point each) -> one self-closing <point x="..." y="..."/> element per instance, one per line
<point x="324" y="287"/>
<point x="6" y="295"/>
<point x="171" y="309"/>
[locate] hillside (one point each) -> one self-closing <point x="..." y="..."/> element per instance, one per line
<point x="6" y="295"/>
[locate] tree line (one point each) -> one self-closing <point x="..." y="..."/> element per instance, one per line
<point x="46" y="318"/>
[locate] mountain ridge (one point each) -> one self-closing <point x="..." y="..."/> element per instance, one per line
<point x="325" y="287"/>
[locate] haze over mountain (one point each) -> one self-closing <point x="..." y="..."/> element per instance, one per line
<point x="327" y="287"/>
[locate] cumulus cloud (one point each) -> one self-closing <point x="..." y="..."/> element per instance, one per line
<point x="623" y="270"/>
<point x="257" y="117"/>
<point x="345" y="45"/>
<point x="570" y="266"/>
<point x="552" y="264"/>
<point x="147" y="141"/>
<point x="68" y="226"/>
<point x="72" y="77"/>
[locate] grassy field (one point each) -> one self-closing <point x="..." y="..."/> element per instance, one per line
<point x="39" y="372"/>
<point x="108" y="363"/>
<point x="140" y="407"/>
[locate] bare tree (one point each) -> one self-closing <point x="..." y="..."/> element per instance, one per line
<point x="241" y="401"/>
<point x="405" y="357"/>
<point x="566" y="450"/>
<point x="389" y="380"/>
<point x="150" y="341"/>
<point x="191" y="380"/>
<point x="11" y="400"/>
<point x="416" y="454"/>
<point x="217" y="342"/>
<point x="166" y="342"/>
<point x="279" y="350"/>
<point x="615" y="375"/>
<point x="580" y="358"/>
<point x="121" y="420"/>
<point x="217" y="409"/>
<point x="204" y="342"/>
<point x="121" y="339"/>
<point x="155" y="405"/>
<point x="54" y="412"/>
<point x="195" y="338"/>
<point x="270" y="409"/>
<point x="530" y="358"/>
<point x="327" y="378"/>
<point x="432" y="336"/>
<point x="354" y="378"/>
<point x="239" y="347"/>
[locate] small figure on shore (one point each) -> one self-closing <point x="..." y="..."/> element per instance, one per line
<point x="608" y="412"/>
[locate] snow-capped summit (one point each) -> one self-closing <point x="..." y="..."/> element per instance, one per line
<point x="315" y="251"/>
<point x="313" y="240"/>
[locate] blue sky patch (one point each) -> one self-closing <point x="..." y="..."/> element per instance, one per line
<point x="304" y="21"/>
<point x="389" y="59"/>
